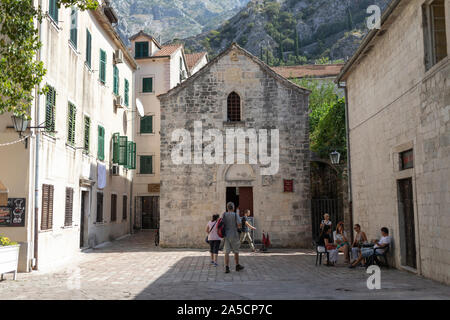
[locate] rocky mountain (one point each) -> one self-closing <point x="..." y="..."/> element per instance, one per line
<point x="292" y="31"/>
<point x="172" y="19"/>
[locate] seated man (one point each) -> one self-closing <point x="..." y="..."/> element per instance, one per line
<point x="379" y="247"/>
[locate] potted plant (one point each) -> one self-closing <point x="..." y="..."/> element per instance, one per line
<point x="9" y="256"/>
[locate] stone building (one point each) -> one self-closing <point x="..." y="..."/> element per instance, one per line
<point x="398" y="88"/>
<point x="160" y="68"/>
<point x="235" y="91"/>
<point x="70" y="183"/>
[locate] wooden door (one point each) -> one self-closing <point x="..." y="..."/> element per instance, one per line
<point x="246" y="200"/>
<point x="406" y="210"/>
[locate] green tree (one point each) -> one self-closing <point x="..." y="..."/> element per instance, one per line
<point x="20" y="72"/>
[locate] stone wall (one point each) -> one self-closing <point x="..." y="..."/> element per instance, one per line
<point x="190" y="194"/>
<point x="396" y="105"/>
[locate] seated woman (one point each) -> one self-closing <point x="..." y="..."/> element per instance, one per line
<point x="360" y="238"/>
<point x="325" y="241"/>
<point x="340" y="238"/>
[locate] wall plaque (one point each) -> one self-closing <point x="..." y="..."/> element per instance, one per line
<point x="288" y="185"/>
<point x="154" y="188"/>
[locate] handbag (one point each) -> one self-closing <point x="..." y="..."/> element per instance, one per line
<point x="207" y="241"/>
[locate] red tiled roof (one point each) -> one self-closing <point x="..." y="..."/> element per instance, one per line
<point x="193" y="58"/>
<point x="167" y="50"/>
<point x="314" y="71"/>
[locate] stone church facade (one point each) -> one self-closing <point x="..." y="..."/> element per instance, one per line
<point x="236" y="91"/>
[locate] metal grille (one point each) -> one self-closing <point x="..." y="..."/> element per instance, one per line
<point x="234" y="107"/>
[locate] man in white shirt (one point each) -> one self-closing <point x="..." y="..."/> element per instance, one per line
<point x="380" y="247"/>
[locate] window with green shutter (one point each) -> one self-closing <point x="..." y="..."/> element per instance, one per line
<point x="116" y="81"/>
<point x="127" y="92"/>
<point x="123" y="150"/>
<point x="53" y="10"/>
<point x="101" y="143"/>
<point x="147" y="85"/>
<point x="102" y="66"/>
<point x="88" y="48"/>
<point x="50" y="110"/>
<point x="71" y="117"/>
<point x="87" y="134"/>
<point x="141" y="49"/>
<point x="131" y="162"/>
<point x="116" y="149"/>
<point x="146" y="164"/>
<point x="147" y="124"/>
<point x="74" y="26"/>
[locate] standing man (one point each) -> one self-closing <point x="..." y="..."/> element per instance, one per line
<point x="231" y="241"/>
<point x="245" y="234"/>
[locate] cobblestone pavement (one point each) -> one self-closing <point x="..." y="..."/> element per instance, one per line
<point x="132" y="268"/>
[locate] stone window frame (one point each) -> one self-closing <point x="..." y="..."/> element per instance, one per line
<point x="138" y="164"/>
<point x="225" y="106"/>
<point x="153" y="115"/>
<point x="428" y="34"/>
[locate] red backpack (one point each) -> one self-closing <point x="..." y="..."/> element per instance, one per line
<point x="221" y="227"/>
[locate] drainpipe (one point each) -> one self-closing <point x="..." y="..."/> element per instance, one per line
<point x="36" y="167"/>
<point x="349" y="163"/>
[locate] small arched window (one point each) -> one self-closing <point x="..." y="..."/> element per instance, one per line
<point x="234" y="107"/>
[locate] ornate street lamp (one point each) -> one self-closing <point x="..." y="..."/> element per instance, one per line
<point x="20" y="124"/>
<point x="335" y="157"/>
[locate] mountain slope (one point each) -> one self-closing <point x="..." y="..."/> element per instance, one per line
<point x="173" y="18"/>
<point x="292" y="31"/>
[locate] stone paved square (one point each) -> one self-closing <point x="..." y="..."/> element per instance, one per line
<point x="133" y="268"/>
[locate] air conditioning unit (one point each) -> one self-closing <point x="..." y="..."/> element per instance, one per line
<point x="118" y="102"/>
<point x="115" y="170"/>
<point x="118" y="56"/>
<point x="184" y="74"/>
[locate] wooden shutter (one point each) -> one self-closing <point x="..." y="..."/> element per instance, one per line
<point x="101" y="143"/>
<point x="69" y="207"/>
<point x="147" y="85"/>
<point x="47" y="207"/>
<point x="102" y="66"/>
<point x="124" y="207"/>
<point x="88" y="48"/>
<point x="116" y="149"/>
<point x="99" y="207"/>
<point x="53" y="10"/>
<point x="123" y="150"/>
<point x="113" y="207"/>
<point x="50" y="110"/>
<point x="87" y="133"/>
<point x="146" y="164"/>
<point x="74" y="26"/>
<point x="126" y="93"/>
<point x="116" y="81"/>
<point x="133" y="157"/>
<point x="71" y="117"/>
<point x="147" y="124"/>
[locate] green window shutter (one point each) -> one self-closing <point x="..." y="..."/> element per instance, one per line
<point x="88" y="48"/>
<point x="147" y="124"/>
<point x="123" y="150"/>
<point x="116" y="149"/>
<point x="102" y="66"/>
<point x="147" y="85"/>
<point x="129" y="155"/>
<point x="141" y="49"/>
<point x="71" y="117"/>
<point x="126" y="93"/>
<point x="74" y="26"/>
<point x="146" y="164"/>
<point x="53" y="10"/>
<point x="87" y="133"/>
<point x="133" y="157"/>
<point x="116" y="81"/>
<point x="50" y="110"/>
<point x="101" y="143"/>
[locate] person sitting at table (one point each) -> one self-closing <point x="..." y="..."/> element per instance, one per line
<point x="340" y="239"/>
<point x="378" y="248"/>
<point x="360" y="238"/>
<point x="325" y="241"/>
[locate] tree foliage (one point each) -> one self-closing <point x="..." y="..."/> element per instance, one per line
<point x="20" y="72"/>
<point x="326" y="118"/>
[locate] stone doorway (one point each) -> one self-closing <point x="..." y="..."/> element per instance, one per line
<point x="150" y="213"/>
<point x="407" y="225"/>
<point x="242" y="197"/>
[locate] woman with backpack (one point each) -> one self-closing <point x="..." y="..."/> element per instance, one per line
<point x="213" y="238"/>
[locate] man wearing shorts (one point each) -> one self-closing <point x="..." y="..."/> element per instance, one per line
<point x="232" y="241"/>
